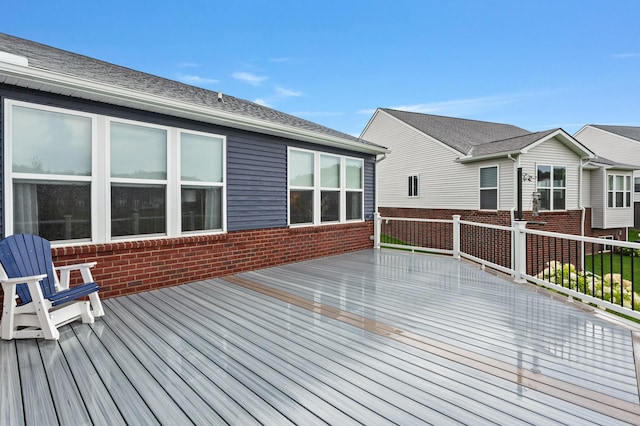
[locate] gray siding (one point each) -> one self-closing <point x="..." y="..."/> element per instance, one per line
<point x="256" y="163"/>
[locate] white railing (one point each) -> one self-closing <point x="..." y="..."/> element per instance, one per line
<point x="549" y="259"/>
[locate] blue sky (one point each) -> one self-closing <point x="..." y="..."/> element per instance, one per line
<point x="534" y="64"/>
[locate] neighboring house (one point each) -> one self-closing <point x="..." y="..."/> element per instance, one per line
<point x="619" y="143"/>
<point x="441" y="166"/>
<point x="164" y="183"/>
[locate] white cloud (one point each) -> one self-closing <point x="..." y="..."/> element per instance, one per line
<point x="280" y="60"/>
<point x="247" y="77"/>
<point x="262" y="102"/>
<point x="287" y="93"/>
<point x="197" y="80"/>
<point x="460" y="107"/>
<point x="316" y="113"/>
<point x="625" y="55"/>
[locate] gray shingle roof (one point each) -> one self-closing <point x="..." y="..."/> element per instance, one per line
<point x="626" y="131"/>
<point x="60" y="61"/>
<point x="462" y="134"/>
<point x="509" y="145"/>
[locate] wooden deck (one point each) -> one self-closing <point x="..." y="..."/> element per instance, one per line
<point x="366" y="338"/>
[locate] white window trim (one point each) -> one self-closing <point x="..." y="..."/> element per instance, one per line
<point x="497" y="187"/>
<point x="552" y="187"/>
<point x="416" y="177"/>
<point x="625" y="191"/>
<point x="317" y="189"/>
<point x="101" y="180"/>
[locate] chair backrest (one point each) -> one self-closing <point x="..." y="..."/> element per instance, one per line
<point x="25" y="255"/>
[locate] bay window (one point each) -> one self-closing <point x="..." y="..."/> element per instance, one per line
<point x="618" y="191"/>
<point x="324" y="188"/>
<point x="74" y="176"/>
<point x="551" y="185"/>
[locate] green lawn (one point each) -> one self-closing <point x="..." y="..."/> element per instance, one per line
<point x="602" y="265"/>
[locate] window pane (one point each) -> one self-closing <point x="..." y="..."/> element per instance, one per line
<point x="201" y="208"/>
<point x="200" y="158"/>
<point x="619" y="183"/>
<point x="58" y="144"/>
<point x="138" y="152"/>
<point x="137" y="210"/>
<point x="558" y="199"/>
<point x="627" y="199"/>
<point x="609" y="199"/>
<point x="489" y="177"/>
<point x="544" y="176"/>
<point x="329" y="171"/>
<point x="330" y="206"/>
<point x="559" y="177"/>
<point x="354" y="173"/>
<point x="610" y="182"/>
<point x="619" y="199"/>
<point x="545" y="199"/>
<point x="636" y="182"/>
<point x="627" y="183"/>
<point x="413" y="186"/>
<point x="354" y="205"/>
<point x="489" y="199"/>
<point x="300" y="168"/>
<point x="55" y="211"/>
<point x="301" y="205"/>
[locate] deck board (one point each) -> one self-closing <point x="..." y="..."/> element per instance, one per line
<point x="365" y="338"/>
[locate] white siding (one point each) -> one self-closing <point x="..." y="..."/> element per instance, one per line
<point x="555" y="153"/>
<point x="609" y="145"/>
<point x="444" y="183"/>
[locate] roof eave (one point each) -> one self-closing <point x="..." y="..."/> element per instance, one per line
<point x="49" y="81"/>
<point x="473" y="158"/>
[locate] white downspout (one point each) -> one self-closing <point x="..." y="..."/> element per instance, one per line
<point x="516" y="164"/>
<point x="582" y="208"/>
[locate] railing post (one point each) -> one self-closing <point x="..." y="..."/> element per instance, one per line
<point x="520" y="251"/>
<point x="377" y="225"/>
<point x="456" y="236"/>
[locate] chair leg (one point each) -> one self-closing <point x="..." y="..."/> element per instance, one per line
<point x="49" y="329"/>
<point x="96" y="305"/>
<point x="8" y="317"/>
<point x="85" y="313"/>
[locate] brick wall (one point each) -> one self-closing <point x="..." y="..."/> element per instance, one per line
<point x="132" y="267"/>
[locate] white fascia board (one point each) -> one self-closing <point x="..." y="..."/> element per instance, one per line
<point x="568" y="140"/>
<point x="48" y="81"/>
<point x="472" y="158"/>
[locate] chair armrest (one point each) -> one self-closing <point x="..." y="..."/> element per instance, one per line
<point x="23" y="280"/>
<point x="84" y="268"/>
<point x="76" y="267"/>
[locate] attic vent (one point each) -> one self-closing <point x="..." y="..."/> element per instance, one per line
<point x="10" y="58"/>
<point x="219" y="96"/>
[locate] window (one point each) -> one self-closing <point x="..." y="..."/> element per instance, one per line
<point x="324" y="188"/>
<point x="68" y="181"/>
<point x="489" y="188"/>
<point x="50" y="166"/>
<point x="201" y="180"/>
<point x="618" y="191"/>
<point x="551" y="184"/>
<point x="636" y="184"/>
<point x="413" y="186"/>
<point x="138" y="180"/>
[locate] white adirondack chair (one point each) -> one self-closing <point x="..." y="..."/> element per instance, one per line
<point x="36" y="300"/>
